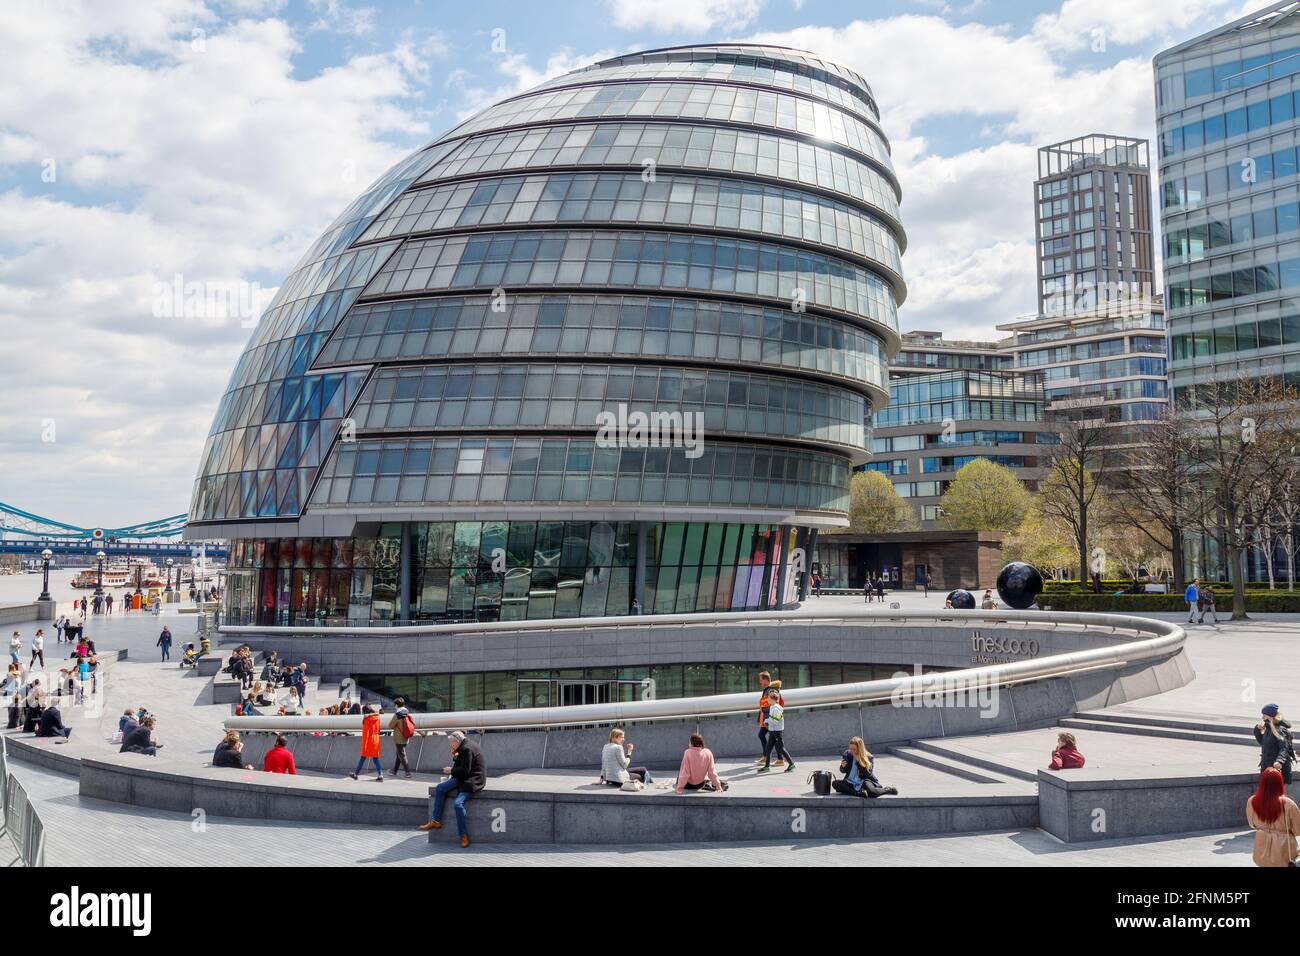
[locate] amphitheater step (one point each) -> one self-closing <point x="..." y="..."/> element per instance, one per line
<point x="1151" y="730"/>
<point x="1221" y="726"/>
<point x="949" y="765"/>
<point x="955" y="753"/>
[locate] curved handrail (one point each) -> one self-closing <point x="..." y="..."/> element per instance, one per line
<point x="363" y="629"/>
<point x="1165" y="640"/>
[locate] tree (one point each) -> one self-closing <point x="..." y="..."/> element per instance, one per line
<point x="1041" y="542"/>
<point x="876" y="508"/>
<point x="1156" y="491"/>
<point x="985" y="496"/>
<point x="1247" y="432"/>
<point x="1068" y="492"/>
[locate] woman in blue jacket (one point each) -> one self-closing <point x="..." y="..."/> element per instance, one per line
<point x="858" y="768"/>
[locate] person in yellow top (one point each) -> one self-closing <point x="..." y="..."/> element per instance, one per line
<point x="1276" y="820"/>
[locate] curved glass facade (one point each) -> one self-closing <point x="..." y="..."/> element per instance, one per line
<point x="625" y="331"/>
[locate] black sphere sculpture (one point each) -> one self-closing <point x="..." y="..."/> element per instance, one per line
<point x="961" y="600"/>
<point x="1019" y="585"/>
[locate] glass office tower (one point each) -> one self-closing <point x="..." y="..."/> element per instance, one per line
<point x="704" y="238"/>
<point x="1227" y="104"/>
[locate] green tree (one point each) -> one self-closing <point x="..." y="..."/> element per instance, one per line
<point x="876" y="508"/>
<point x="985" y="496"/>
<point x="1046" y="544"/>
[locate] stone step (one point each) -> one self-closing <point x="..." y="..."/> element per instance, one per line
<point x="957" y="754"/>
<point x="1173" y="723"/>
<point x="946" y="764"/>
<point x="1148" y="730"/>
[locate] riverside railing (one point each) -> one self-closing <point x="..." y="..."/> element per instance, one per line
<point x="1157" y="639"/>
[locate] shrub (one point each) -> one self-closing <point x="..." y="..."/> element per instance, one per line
<point x="1276" y="601"/>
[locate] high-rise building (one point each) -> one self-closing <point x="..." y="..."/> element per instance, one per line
<point x="1093" y="201"/>
<point x="443" y="413"/>
<point x="950" y="403"/>
<point x="1106" y="368"/>
<point x="1227" y="107"/>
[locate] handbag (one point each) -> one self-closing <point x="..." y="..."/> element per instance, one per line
<point x="821" y="782"/>
<point x="633" y="786"/>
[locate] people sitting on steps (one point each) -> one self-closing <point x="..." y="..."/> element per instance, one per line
<point x="1066" y="756"/>
<point x="699" y="770"/>
<point x="858" y="767"/>
<point x="616" y="762"/>
<point x="140" y="740"/>
<point x="51" y="724"/>
<point x="231" y="756"/>
<point x="279" y="759"/>
<point x="468" y="776"/>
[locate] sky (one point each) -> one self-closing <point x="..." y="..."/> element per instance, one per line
<point x="148" y="145"/>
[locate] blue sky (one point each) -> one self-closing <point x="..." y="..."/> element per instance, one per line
<point x="146" y="144"/>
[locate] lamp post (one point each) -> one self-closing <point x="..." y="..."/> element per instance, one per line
<point x="139" y="570"/>
<point x="99" y="578"/>
<point x="45" y="574"/>
<point x="168" y="590"/>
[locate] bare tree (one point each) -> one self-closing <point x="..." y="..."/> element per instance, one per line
<point x="1155" y="492"/>
<point x="1068" y="491"/>
<point x="1247" y="431"/>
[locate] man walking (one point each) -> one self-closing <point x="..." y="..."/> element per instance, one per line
<point x="468" y="776"/>
<point x="1192" y="596"/>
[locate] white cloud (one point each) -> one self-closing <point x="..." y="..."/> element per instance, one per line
<point x="214" y="163"/>
<point x="1083" y="24"/>
<point x="684" y="16"/>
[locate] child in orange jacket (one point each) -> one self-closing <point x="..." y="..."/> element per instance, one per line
<point x="370" y="744"/>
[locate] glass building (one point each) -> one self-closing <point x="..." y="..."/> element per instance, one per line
<point x="1227" y="105"/>
<point x="611" y="345"/>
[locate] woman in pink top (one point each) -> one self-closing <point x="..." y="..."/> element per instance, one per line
<point x="697" y="771"/>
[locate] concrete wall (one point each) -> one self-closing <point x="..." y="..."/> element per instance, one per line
<point x="1083" y="806"/>
<point x="659" y="744"/>
<point x="21" y="613"/>
<point x="861" y="641"/>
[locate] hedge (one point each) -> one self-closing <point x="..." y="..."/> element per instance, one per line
<point x="1277" y="601"/>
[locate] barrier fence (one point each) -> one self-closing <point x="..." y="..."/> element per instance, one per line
<point x="22" y="824"/>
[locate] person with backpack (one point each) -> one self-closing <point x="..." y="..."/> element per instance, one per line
<point x="370" y="745"/>
<point x="1276" y="748"/>
<point x="1275" y="818"/>
<point x="402" y="724"/>
<point x="1192" y="596"/>
<point x="776" y="732"/>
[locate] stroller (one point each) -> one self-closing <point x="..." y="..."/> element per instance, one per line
<point x="189" y="658"/>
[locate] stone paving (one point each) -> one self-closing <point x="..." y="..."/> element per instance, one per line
<point x="85" y="832"/>
<point x="1239" y="667"/>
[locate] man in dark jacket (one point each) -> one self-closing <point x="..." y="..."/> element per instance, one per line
<point x="231" y="756"/>
<point x="52" y="724"/>
<point x="140" y="740"/>
<point x="1276" y="748"/>
<point x="468" y="776"/>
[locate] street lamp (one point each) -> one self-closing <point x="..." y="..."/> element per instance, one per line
<point x="170" y="562"/>
<point x="45" y="579"/>
<point x="139" y="570"/>
<point x="99" y="578"/>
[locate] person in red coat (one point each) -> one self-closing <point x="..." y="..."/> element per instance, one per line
<point x="1066" y="756"/>
<point x="370" y="744"/>
<point x="278" y="759"/>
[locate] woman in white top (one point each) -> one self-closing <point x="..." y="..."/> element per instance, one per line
<point x="15" y="647"/>
<point x="615" y="762"/>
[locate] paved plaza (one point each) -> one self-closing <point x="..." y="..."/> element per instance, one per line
<point x="1239" y="667"/>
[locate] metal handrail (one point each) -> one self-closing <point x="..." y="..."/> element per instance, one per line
<point x="1166" y="639"/>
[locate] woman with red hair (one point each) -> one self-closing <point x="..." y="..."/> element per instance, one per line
<point x="1276" y="820"/>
